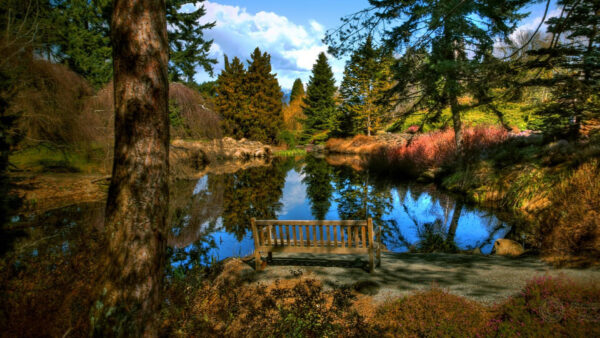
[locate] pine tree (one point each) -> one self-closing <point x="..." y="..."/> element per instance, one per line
<point x="231" y="100"/>
<point x="319" y="103"/>
<point x="264" y="94"/>
<point x="367" y="77"/>
<point x="445" y="50"/>
<point x="76" y="32"/>
<point x="82" y="38"/>
<point x="297" y="90"/>
<point x="574" y="60"/>
<point x="189" y="50"/>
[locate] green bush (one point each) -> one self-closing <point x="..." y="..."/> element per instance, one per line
<point x="288" y="138"/>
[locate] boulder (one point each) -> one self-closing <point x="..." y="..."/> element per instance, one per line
<point x="507" y="247"/>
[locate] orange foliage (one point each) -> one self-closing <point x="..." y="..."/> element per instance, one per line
<point x="292" y="115"/>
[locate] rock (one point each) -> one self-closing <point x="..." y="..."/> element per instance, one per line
<point x="507" y="247"/>
<point x="476" y="251"/>
<point x="429" y="175"/>
<point x="558" y="146"/>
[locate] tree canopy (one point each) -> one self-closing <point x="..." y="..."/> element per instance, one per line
<point x="572" y="57"/>
<point x="189" y="49"/>
<point x="445" y="47"/>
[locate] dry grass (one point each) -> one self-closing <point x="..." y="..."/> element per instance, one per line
<point x="432" y="313"/>
<point x="571" y="226"/>
<point x="359" y="144"/>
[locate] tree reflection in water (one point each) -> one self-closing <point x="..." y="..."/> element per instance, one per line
<point x="319" y="190"/>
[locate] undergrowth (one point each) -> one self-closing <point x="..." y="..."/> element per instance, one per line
<point x="226" y="306"/>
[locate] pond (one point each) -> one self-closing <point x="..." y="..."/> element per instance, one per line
<point x="210" y="216"/>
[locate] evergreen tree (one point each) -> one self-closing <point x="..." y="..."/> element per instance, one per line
<point x="319" y="103"/>
<point x="76" y="32"/>
<point x="297" y="90"/>
<point x="189" y="50"/>
<point x="573" y="57"/>
<point x="366" y="79"/>
<point x="82" y="38"/>
<point x="264" y="104"/>
<point x="432" y="38"/>
<point x="231" y="100"/>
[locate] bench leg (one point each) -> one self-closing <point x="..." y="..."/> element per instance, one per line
<point x="371" y="268"/>
<point x="257" y="260"/>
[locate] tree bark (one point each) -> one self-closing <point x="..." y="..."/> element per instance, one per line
<point x="138" y="197"/>
<point x="457" y="124"/>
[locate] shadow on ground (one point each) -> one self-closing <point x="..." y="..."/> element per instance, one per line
<point x="483" y="278"/>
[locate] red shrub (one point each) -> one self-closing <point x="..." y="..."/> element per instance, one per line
<point x="413" y="129"/>
<point x="438" y="148"/>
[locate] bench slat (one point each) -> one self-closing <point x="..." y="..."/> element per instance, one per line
<point x="364" y="237"/>
<point x="303" y="249"/>
<point x="335" y="242"/>
<point x="307" y="236"/>
<point x="349" y="232"/>
<point x="316" y="222"/>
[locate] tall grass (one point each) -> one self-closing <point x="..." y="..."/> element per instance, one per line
<point x="571" y="226"/>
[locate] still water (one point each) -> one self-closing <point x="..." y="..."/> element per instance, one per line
<point x="210" y="216"/>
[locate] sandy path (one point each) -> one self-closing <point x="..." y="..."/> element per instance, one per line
<point x="488" y="279"/>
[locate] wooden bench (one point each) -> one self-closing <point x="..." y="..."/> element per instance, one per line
<point x="327" y="237"/>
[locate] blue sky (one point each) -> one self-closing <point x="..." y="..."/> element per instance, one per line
<point x="291" y="31"/>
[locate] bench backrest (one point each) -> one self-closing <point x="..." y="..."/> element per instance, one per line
<point x="313" y="236"/>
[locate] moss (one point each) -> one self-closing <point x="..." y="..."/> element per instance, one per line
<point x="50" y="159"/>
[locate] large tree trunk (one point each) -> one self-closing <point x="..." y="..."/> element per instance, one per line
<point x="138" y="197"/>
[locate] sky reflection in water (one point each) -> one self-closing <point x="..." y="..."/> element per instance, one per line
<point x="410" y="215"/>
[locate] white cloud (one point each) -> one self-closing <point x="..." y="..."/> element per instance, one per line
<point x="293" y="47"/>
<point x="532" y="24"/>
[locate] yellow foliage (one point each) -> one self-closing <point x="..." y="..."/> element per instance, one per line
<point x="292" y="115"/>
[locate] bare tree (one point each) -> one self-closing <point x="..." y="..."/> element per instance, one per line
<point x="138" y="197"/>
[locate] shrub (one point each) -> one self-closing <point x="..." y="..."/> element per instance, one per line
<point x="196" y="113"/>
<point x="438" y="148"/>
<point x="225" y="306"/>
<point x="548" y="306"/>
<point x="433" y="313"/>
<point x="287" y="137"/>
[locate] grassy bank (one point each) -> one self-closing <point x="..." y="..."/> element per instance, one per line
<point x="552" y="187"/>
